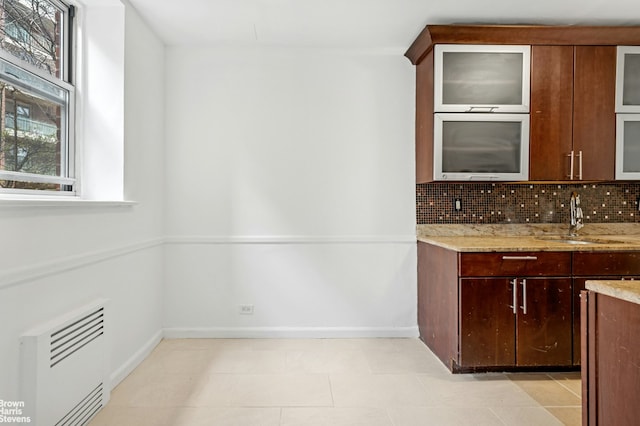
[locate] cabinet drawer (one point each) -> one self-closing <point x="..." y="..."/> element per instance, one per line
<point x="603" y="264"/>
<point x="530" y="264"/>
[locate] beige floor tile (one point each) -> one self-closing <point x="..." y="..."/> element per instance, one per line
<point x="227" y="417"/>
<point x="327" y="362"/>
<point x="136" y="416"/>
<point x="569" y="416"/>
<point x="570" y="380"/>
<point x="282" y="390"/>
<point x="159" y="391"/>
<point x="378" y="390"/>
<point x="480" y="390"/>
<point x="443" y="416"/>
<point x="335" y="417"/>
<point x="526" y="416"/>
<point x="193" y="382"/>
<point x="548" y="393"/>
<point x="413" y="361"/>
<point x="174" y="361"/>
<point x="245" y="362"/>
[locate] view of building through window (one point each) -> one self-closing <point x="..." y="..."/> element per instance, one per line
<point x="34" y="96"/>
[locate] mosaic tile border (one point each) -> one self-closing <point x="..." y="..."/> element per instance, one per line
<point x="498" y="203"/>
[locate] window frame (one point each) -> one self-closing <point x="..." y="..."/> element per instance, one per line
<point x="69" y="185"/>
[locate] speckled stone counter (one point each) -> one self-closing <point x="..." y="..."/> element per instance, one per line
<point x="628" y="290"/>
<point x="495" y="238"/>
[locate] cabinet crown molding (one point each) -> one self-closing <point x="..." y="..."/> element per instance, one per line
<point x="521" y="34"/>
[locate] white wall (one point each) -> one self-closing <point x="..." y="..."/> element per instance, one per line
<point x="54" y="259"/>
<point x="290" y="187"/>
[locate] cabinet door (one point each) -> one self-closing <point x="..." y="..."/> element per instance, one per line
<point x="487" y="322"/>
<point x="594" y="121"/>
<point x="551" y="128"/>
<point x="544" y="322"/>
<point x="573" y="111"/>
<point x="481" y="78"/>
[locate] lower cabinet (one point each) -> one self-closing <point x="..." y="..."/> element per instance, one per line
<point x="515" y="322"/>
<point x="611" y="356"/>
<point x="515" y="309"/>
<point x="598" y="266"/>
<point x="488" y="311"/>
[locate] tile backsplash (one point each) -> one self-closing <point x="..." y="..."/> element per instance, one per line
<point x="510" y="203"/>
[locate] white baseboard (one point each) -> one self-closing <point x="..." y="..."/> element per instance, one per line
<point x="289" y="332"/>
<point x="124" y="370"/>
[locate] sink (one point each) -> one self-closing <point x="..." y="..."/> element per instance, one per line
<point x="565" y="239"/>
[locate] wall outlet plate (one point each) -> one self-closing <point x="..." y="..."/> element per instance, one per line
<point x="245" y="309"/>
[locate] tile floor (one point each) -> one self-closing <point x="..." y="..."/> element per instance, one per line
<point x="333" y="382"/>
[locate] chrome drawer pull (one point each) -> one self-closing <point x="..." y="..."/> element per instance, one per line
<point x="519" y="257"/>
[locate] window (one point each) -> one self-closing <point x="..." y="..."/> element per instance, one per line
<point x="36" y="97"/>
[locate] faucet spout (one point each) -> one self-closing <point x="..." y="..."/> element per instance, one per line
<point x="575" y="215"/>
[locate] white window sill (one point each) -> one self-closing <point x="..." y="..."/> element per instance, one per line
<point x="10" y="202"/>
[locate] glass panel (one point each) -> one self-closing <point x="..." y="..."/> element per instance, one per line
<point x="482" y="78"/>
<point x="32" y="31"/>
<point x="481" y="146"/>
<point x="631" y="84"/>
<point x="32" y="131"/>
<point x="631" y="159"/>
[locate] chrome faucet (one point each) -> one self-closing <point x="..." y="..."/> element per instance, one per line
<point x="575" y="219"/>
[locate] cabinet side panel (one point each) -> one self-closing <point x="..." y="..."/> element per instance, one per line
<point x="551" y="112"/>
<point x="438" y="301"/>
<point x="424" y="120"/>
<point x="618" y="361"/>
<point x="594" y="120"/>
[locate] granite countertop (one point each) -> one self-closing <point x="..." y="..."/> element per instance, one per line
<point x="628" y="290"/>
<point x="535" y="237"/>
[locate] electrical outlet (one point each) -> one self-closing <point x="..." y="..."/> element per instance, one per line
<point x="246" y="309"/>
<point x="457" y="204"/>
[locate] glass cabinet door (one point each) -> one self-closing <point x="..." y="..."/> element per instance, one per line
<point x="628" y="146"/>
<point x="481" y="78"/>
<point x="628" y="79"/>
<point x="481" y="146"/>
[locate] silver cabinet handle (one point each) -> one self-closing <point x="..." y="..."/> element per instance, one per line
<point x="580" y="165"/>
<point x="482" y="109"/>
<point x="514" y="301"/>
<point x="519" y="257"/>
<point x="524" y="296"/>
<point x="570" y="165"/>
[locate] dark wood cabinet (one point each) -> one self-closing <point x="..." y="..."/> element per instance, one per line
<point x="516" y="311"/>
<point x="536" y="332"/>
<point x="594" y="266"/>
<point x="572" y="95"/>
<point x="572" y="133"/>
<point x="488" y="311"/>
<point x="611" y="354"/>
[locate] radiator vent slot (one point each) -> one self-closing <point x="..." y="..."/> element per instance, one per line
<point x="85" y="410"/>
<point x="74" y="337"/>
<point x="64" y="372"/>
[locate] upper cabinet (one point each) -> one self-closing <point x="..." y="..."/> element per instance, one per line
<point x="565" y="80"/>
<point x="628" y="79"/>
<point x="481" y="78"/>
<point x="628" y="107"/>
<point x="572" y="113"/>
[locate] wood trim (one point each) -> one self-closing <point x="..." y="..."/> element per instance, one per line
<point x="521" y="34"/>
<point x="584" y="351"/>
<point x="424" y="120"/>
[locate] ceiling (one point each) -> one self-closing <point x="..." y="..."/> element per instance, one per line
<point x="358" y="23"/>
